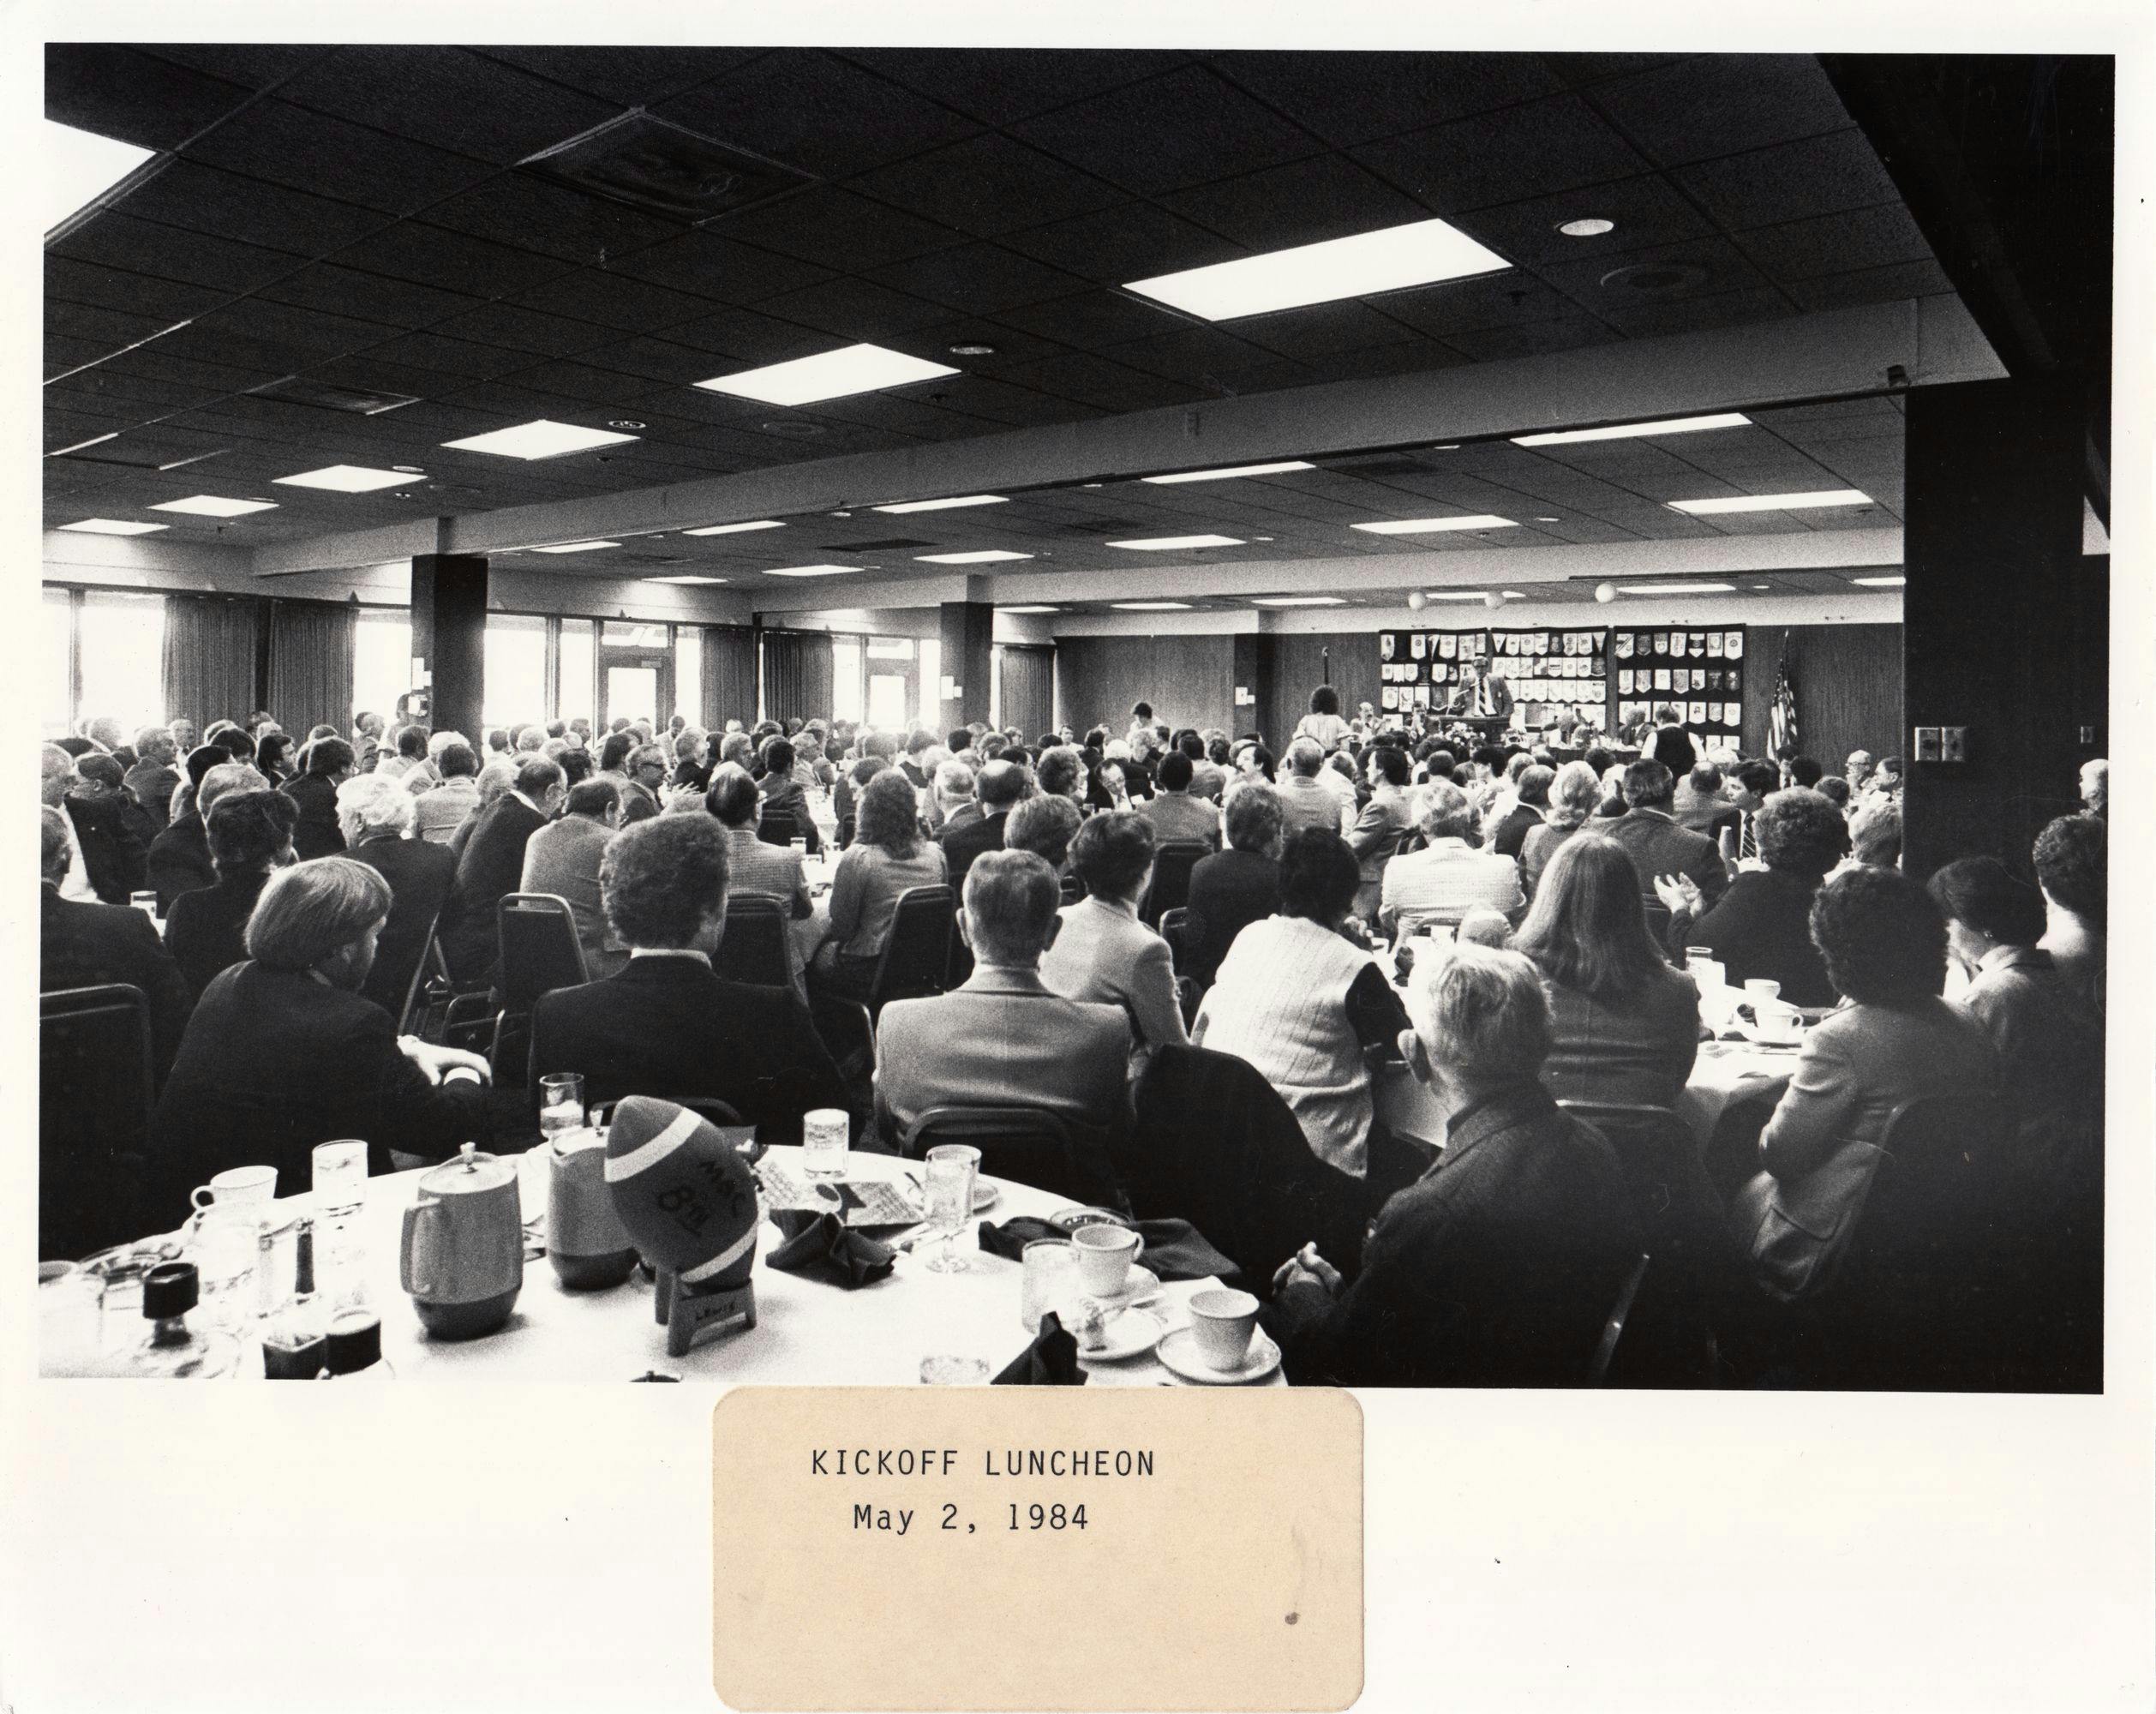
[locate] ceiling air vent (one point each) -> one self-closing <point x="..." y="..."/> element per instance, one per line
<point x="652" y="164"/>
<point x="1654" y="279"/>
<point x="323" y="396"/>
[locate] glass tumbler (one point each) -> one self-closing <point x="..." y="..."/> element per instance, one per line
<point x="947" y="1181"/>
<point x="1050" y="1275"/>
<point x="560" y="1103"/>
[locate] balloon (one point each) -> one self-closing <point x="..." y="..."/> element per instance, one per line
<point x="1605" y="593"/>
<point x="1416" y="600"/>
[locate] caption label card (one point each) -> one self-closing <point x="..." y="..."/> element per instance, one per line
<point x="1037" y="1548"/>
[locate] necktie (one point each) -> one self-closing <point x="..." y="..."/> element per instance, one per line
<point x="1482" y="696"/>
<point x="1747" y="845"/>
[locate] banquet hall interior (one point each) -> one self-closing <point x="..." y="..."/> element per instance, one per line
<point x="1498" y="664"/>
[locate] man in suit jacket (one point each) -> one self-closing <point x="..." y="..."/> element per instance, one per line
<point x="953" y="803"/>
<point x="1658" y="845"/>
<point x="563" y="857"/>
<point x="88" y="945"/>
<point x="1001" y="786"/>
<point x="1175" y="813"/>
<point x="153" y="779"/>
<point x="666" y="1024"/>
<point x="1304" y="801"/>
<point x="493" y="864"/>
<point x="380" y="812"/>
<point x="1698" y="804"/>
<point x="1499" y="1267"/>
<point x="1482" y="694"/>
<point x="1378" y="830"/>
<point x="1004" y="1039"/>
<point x="1235" y="887"/>
<point x="107" y="829"/>
<point x="330" y="763"/>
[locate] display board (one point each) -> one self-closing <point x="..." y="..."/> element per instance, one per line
<point x="1698" y="673"/>
<point x="1548" y="671"/>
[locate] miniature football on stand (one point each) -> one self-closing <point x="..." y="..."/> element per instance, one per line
<point x="688" y="1201"/>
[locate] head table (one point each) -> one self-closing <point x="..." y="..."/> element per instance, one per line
<point x="807" y="1331"/>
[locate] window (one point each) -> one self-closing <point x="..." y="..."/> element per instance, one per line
<point x="632" y="633"/>
<point x="381" y="661"/>
<point x="515" y="691"/>
<point x="56" y="702"/>
<point x="572" y="698"/>
<point x="931" y="712"/>
<point x="122" y="648"/>
<point x="688" y="673"/>
<point x="845" y="678"/>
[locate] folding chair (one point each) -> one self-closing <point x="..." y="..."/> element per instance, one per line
<point x="1170" y="887"/>
<point x="755" y="948"/>
<point x="94" y="1099"/>
<point x="540" y="952"/>
<point x="1026" y="1145"/>
<point x="916" y="956"/>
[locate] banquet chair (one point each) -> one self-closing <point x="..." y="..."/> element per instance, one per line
<point x="94" y="1097"/>
<point x="1175" y="929"/>
<point x="916" y="957"/>
<point x="540" y="952"/>
<point x="1170" y="887"/>
<point x="1613" y="1329"/>
<point x="754" y="947"/>
<point x="777" y="827"/>
<point x="1213" y="1143"/>
<point x="1027" y="1145"/>
<point x="706" y="1107"/>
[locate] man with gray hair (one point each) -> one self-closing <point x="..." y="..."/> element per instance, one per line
<point x="57" y="775"/>
<point x="153" y="779"/>
<point x="492" y="863"/>
<point x="1449" y="878"/>
<point x="563" y="857"/>
<point x="1004" y="1039"/>
<point x="1501" y="1264"/>
<point x="953" y="804"/>
<point x="1305" y="801"/>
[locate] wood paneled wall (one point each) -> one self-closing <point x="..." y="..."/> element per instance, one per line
<point x="1299" y="667"/>
<point x="1849" y="686"/>
<point x="1190" y="681"/>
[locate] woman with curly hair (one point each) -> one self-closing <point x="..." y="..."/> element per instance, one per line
<point x="888" y="857"/>
<point x="1761" y="927"/>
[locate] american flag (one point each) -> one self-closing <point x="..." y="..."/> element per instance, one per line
<point x="1782" y="718"/>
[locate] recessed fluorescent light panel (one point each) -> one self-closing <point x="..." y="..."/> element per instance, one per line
<point x="950" y="505"/>
<point x="684" y="578"/>
<point x="1426" y="527"/>
<point x="1879" y="583"/>
<point x="983" y="557"/>
<point x="113" y="526"/>
<point x="540" y="440"/>
<point x="1422" y="253"/>
<point x="1296" y="601"/>
<point x="80" y="166"/>
<point x="736" y="528"/>
<point x="1460" y="595"/>
<point x="1155" y="544"/>
<point x="1239" y="470"/>
<point x="214" y="506"/>
<point x="1676" y="589"/>
<point x="344" y="479"/>
<point x="1776" y="502"/>
<point x="810" y="571"/>
<point x="1151" y="606"/>
<point x="829" y="374"/>
<point x="575" y="546"/>
<point x="1634" y="431"/>
<point x="1030" y="609"/>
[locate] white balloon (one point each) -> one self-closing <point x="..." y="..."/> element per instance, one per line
<point x="1605" y="593"/>
<point x="1492" y="600"/>
<point x="1416" y="600"/>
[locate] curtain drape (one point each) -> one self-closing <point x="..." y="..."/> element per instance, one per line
<point x="310" y="664"/>
<point x="797" y="675"/>
<point x="1028" y="700"/>
<point x="213" y="653"/>
<point x="729" y="677"/>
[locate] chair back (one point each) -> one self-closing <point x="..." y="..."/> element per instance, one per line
<point x="540" y="950"/>
<point x="1613" y="1329"/>
<point x="1169" y="888"/>
<point x="754" y="947"/>
<point x="1214" y="1144"/>
<point x="916" y="957"/>
<point x="1026" y="1145"/>
<point x="778" y="827"/>
<point x="94" y="1099"/>
<point x="1175" y="929"/>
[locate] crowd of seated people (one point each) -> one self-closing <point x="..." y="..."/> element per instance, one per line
<point x="309" y="892"/>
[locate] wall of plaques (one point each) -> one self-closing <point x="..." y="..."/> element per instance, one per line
<point x="1547" y="671"/>
<point x="1699" y="673"/>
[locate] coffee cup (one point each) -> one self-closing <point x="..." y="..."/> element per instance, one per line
<point x="1759" y="990"/>
<point x="1104" y="1256"/>
<point x="1779" y="1025"/>
<point x="237" y="1186"/>
<point x="1222" y="1322"/>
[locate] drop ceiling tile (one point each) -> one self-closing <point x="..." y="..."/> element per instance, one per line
<point x="436" y="256"/>
<point x="1193" y="354"/>
<point x="1712" y="265"/>
<point x="633" y="77"/>
<point x="1312" y="333"/>
<point x="1302" y="202"/>
<point x="1790" y="182"/>
<point x="813" y="111"/>
<point x="1649" y="319"/>
<point x="253" y="66"/>
<point x="1095" y="320"/>
<point x="988" y="185"/>
<point x="736" y="339"/>
<point x="519" y="209"/>
<point x="200" y="199"/>
<point x="1721" y="105"/>
<point x="712" y="266"/>
<point x="104" y="330"/>
<point x="1580" y="70"/>
<point x="582" y="382"/>
<point x="835" y="228"/>
<point x="373" y="298"/>
<point x="463" y="357"/>
<point x="999" y="86"/>
<point x="450" y="98"/>
<point x="518" y="328"/>
<point x="1462" y="305"/>
<point x="1098" y="381"/>
<point x="120" y="93"/>
<point x="1350" y="98"/>
<point x="117" y="240"/>
<point x="1185" y="127"/>
<point x="654" y="360"/>
<point x="980" y="280"/>
<point x="282" y="144"/>
<point x="854" y="312"/>
<point x="1136" y="242"/>
<point x="1837" y="243"/>
<point x="604" y="298"/>
<point x="1535" y="149"/>
<point x="1532" y="338"/>
<point x="1648" y="212"/>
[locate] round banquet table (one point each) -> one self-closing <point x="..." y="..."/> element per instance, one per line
<point x="807" y="1331"/>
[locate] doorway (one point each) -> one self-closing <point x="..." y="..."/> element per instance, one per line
<point x="636" y="673"/>
<point x="893" y="682"/>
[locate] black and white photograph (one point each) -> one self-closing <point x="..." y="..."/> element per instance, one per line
<point x="1104" y="714"/>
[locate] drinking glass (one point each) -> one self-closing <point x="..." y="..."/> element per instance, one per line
<point x="954" y="1371"/>
<point x="560" y="1103"/>
<point x="226" y="1249"/>
<point x="145" y="902"/>
<point x="340" y="1176"/>
<point x="948" y="1191"/>
<point x="823" y="1143"/>
<point x="68" y="1319"/>
<point x="1050" y="1265"/>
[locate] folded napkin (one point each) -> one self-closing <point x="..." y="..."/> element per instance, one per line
<point x="1051" y="1360"/>
<point x="822" y="1247"/>
<point x="1175" y="1249"/>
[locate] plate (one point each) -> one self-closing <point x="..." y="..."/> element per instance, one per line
<point x="1179" y="1354"/>
<point x="1128" y="1333"/>
<point x="1069" y="1221"/>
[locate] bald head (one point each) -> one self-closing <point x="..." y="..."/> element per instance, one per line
<point x="1001" y="785"/>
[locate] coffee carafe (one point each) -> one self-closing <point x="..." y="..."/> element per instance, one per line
<point x="463" y="1257"/>
<point x="588" y="1246"/>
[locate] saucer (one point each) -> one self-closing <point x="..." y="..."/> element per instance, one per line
<point x="1128" y="1332"/>
<point x="1140" y="1285"/>
<point x="1178" y="1355"/>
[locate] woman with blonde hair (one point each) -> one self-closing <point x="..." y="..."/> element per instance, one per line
<point x="1573" y="795"/>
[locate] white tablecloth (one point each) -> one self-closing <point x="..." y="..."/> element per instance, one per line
<point x="806" y="1332"/>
